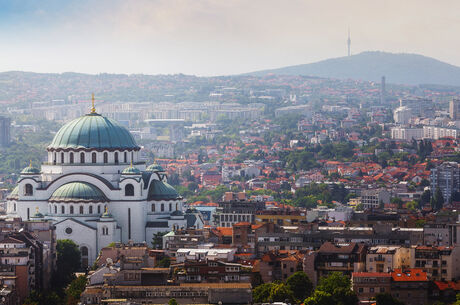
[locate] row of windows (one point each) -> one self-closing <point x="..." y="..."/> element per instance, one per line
<point x="162" y="207"/>
<point x="81" y="209"/>
<point x="73" y="156"/>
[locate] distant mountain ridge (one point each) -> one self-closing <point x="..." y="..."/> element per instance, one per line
<point x="401" y="68"/>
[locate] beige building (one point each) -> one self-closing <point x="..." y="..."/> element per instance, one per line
<point x="440" y="263"/>
<point x="387" y="258"/>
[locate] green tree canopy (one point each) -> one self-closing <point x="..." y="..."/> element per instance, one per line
<point x="68" y="261"/>
<point x="386" y="299"/>
<point x="300" y="285"/>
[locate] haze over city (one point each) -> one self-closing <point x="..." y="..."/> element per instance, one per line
<point x="216" y="37"/>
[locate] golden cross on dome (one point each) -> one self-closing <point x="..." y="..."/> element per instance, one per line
<point x="36" y="209"/>
<point x="106" y="210"/>
<point x="30" y="163"/>
<point x="93" y="109"/>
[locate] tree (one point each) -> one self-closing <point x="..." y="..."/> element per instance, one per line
<point x="172" y="302"/>
<point x="157" y="240"/>
<point x="438" y="200"/>
<point x="74" y="290"/>
<point x="339" y="286"/>
<point x="68" y="262"/>
<point x="386" y="299"/>
<point x="300" y="285"/>
<point x="164" y="262"/>
<point x="280" y="293"/>
<point x="398" y="201"/>
<point x="320" y="298"/>
<point x="261" y="294"/>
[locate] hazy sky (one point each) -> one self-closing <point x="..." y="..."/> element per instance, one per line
<point x="210" y="37"/>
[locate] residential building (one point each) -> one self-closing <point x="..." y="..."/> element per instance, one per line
<point x="454" y="109"/>
<point x="211" y="272"/>
<point x="439" y="263"/>
<point x="436" y="132"/>
<point x="368" y="284"/>
<point x="371" y="199"/>
<point x="446" y="177"/>
<point x="410" y="286"/>
<point x="5" y="133"/>
<point x="236" y="208"/>
<point x="406" y="133"/>
<point x="213" y="254"/>
<point x="387" y="258"/>
<point x="402" y="115"/>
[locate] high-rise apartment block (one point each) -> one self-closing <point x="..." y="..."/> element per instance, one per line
<point x="446" y="177"/>
<point x="5" y="136"/>
<point x="454" y="109"/>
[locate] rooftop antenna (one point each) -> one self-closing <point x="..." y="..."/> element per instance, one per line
<point x="349" y="42"/>
<point x="93" y="110"/>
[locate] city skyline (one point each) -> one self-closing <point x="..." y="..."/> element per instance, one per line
<point x="213" y="37"/>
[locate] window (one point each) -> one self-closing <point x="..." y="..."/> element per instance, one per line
<point x="371" y="289"/>
<point x="162" y="207"/>
<point x="55" y="209"/>
<point x="99" y="209"/>
<point x="62" y="158"/>
<point x="132" y="157"/>
<point x="153" y="207"/>
<point x="177" y="205"/>
<point x="84" y="251"/>
<point x="91" y="209"/>
<point x="71" y="209"/>
<point x="54" y="158"/>
<point x="170" y="207"/>
<point x="68" y="230"/>
<point x="129" y="190"/>
<point x="382" y="289"/>
<point x="93" y="157"/>
<point x="360" y="290"/>
<point x="106" y="157"/>
<point x="15" y="206"/>
<point x="81" y="209"/>
<point x="71" y="158"/>
<point x="116" y="157"/>
<point x="82" y="157"/>
<point x="62" y="209"/>
<point x="28" y="190"/>
<point x="125" y="157"/>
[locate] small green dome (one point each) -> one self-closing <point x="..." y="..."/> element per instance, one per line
<point x="93" y="131"/>
<point x="78" y="192"/>
<point x="155" y="168"/>
<point x="37" y="214"/>
<point x="30" y="170"/>
<point x="131" y="171"/>
<point x="159" y="190"/>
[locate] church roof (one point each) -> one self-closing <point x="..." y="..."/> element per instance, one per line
<point x="30" y="170"/>
<point x="78" y="192"/>
<point x="93" y="131"/>
<point x="14" y="193"/>
<point x="155" y="168"/>
<point x="159" y="190"/>
<point x="131" y="171"/>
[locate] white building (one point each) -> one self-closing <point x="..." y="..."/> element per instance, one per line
<point x="96" y="190"/>
<point x="402" y="115"/>
<point x="435" y="132"/>
<point x="406" y="133"/>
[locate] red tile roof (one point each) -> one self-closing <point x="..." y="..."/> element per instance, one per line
<point x="409" y="275"/>
<point x="370" y="274"/>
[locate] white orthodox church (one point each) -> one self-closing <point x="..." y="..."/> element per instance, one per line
<point x="96" y="190"/>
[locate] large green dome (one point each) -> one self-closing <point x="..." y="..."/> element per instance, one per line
<point x="78" y="192"/>
<point x="159" y="190"/>
<point x="93" y="131"/>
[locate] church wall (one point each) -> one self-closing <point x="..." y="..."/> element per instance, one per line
<point x="137" y="213"/>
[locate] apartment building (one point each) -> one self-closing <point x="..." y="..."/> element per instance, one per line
<point x="387" y="258"/>
<point x="439" y="263"/>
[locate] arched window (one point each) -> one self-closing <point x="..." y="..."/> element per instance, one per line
<point x="91" y="209"/>
<point x="81" y="209"/>
<point x="105" y="230"/>
<point x="55" y="209"/>
<point x="125" y="157"/>
<point x="54" y="158"/>
<point x="106" y="157"/>
<point x="62" y="158"/>
<point x="132" y="156"/>
<point x="153" y="207"/>
<point x="28" y="190"/>
<point x="129" y="190"/>
<point x="99" y="209"/>
<point x="62" y="209"/>
<point x="84" y="251"/>
<point x="82" y="157"/>
<point x="116" y="157"/>
<point x="93" y="157"/>
<point x="162" y="207"/>
<point x="177" y="206"/>
<point x="71" y="158"/>
<point x="170" y="207"/>
<point x="71" y="209"/>
<point x="14" y="207"/>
